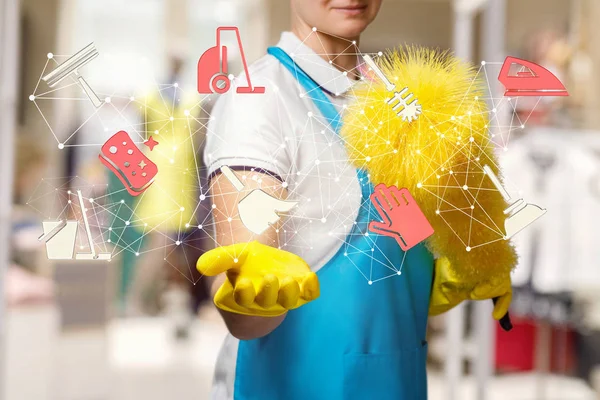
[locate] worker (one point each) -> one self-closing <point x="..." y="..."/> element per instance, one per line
<point x="304" y="322"/>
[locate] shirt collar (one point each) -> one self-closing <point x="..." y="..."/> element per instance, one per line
<point x="323" y="73"/>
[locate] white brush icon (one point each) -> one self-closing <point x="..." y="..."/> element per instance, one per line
<point x="400" y="100"/>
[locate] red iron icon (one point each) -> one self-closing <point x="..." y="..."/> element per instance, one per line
<point x="530" y="79"/>
<point x="128" y="163"/>
<point x="403" y="220"/>
<point x="212" y="68"/>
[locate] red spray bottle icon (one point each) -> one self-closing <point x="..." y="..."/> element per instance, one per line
<point x="212" y="68"/>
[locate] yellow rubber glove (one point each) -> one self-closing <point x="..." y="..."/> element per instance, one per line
<point x="261" y="280"/>
<point x="447" y="291"/>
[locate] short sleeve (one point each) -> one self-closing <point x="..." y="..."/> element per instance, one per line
<point x="249" y="130"/>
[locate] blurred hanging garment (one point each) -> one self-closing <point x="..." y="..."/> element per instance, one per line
<point x="559" y="254"/>
<point x="170" y="202"/>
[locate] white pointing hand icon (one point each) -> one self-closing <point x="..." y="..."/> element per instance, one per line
<point x="258" y="210"/>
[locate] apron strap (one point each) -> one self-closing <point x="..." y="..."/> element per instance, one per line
<point x="314" y="91"/>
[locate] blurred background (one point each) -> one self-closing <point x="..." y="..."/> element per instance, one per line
<point x="142" y="326"/>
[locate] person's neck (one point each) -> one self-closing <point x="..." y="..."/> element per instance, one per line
<point x="342" y="52"/>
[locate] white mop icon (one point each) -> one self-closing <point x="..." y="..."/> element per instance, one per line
<point x="521" y="213"/>
<point x="258" y="210"/>
<point x="93" y="255"/>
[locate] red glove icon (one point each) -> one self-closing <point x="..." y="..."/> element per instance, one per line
<point x="402" y="218"/>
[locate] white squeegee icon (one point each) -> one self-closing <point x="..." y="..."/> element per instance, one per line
<point x="258" y="210"/>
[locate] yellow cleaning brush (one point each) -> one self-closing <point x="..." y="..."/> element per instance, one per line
<point x="438" y="157"/>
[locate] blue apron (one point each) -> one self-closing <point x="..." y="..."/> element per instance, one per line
<point x="356" y="341"/>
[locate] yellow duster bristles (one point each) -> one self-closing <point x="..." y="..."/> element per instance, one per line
<point x="439" y="157"/>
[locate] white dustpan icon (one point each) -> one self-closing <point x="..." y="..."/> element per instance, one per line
<point x="258" y="210"/>
<point x="521" y="214"/>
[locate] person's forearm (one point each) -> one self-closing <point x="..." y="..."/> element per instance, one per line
<point x="245" y="327"/>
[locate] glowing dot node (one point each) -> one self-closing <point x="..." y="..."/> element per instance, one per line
<point x="50" y="56"/>
<point x="231" y="77"/>
<point x="127" y="223"/>
<point x="314" y="29"/>
<point x="32" y="97"/>
<point x="468" y="248"/>
<point x="465" y="187"/>
<point x="182" y="209"/>
<point x="323" y="220"/>
<point x="107" y="100"/>
<point x="178" y="243"/>
<point x="61" y="146"/>
<point x="370" y="282"/>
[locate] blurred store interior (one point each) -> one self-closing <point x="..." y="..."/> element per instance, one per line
<point x="143" y="327"/>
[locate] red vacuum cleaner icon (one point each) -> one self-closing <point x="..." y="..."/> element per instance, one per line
<point x="212" y="68"/>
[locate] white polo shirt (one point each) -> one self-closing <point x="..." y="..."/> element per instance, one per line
<point x="281" y="131"/>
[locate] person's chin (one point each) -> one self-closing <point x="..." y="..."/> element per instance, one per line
<point x="350" y="29"/>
